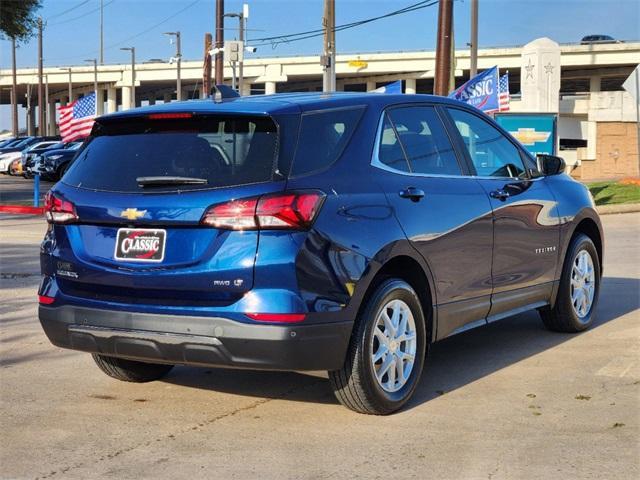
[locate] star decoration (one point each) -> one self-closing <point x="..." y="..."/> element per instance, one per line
<point x="529" y="68"/>
<point x="548" y="68"/>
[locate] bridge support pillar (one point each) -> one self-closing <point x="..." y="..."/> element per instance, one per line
<point x="112" y="104"/>
<point x="371" y="86"/>
<point x="269" y="88"/>
<point x="410" y="85"/>
<point x="126" y="98"/>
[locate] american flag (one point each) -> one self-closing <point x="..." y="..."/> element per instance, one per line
<point x="76" y="119"/>
<point x="503" y="93"/>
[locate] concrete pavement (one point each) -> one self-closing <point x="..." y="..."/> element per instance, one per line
<point x="509" y="400"/>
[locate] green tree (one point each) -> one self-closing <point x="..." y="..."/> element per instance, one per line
<point x="18" y="18"/>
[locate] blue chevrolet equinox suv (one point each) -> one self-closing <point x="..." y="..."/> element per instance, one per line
<point x="343" y="232"/>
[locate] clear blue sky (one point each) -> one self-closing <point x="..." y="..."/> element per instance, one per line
<point x="70" y="40"/>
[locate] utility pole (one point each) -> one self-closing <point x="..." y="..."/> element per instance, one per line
<point x="178" y="58"/>
<point x="46" y="101"/>
<point x="133" y="74"/>
<point x="14" y="91"/>
<point x="219" y="70"/>
<point x="101" y="32"/>
<point x="328" y="59"/>
<point x="41" y="115"/>
<point x="206" y="73"/>
<point x="473" y="43"/>
<point x="443" y="48"/>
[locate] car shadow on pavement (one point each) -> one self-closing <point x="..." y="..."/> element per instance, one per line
<point x="452" y="363"/>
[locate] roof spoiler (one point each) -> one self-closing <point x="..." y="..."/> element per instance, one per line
<point x="221" y="92"/>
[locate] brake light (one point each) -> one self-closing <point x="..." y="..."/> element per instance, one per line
<point x="168" y="116"/>
<point x="44" y="300"/>
<point x="288" y="211"/>
<point x="277" y="317"/>
<point x="57" y="210"/>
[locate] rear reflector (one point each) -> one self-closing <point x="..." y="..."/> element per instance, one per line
<point x="168" y="116"/>
<point x="288" y="211"/>
<point x="277" y="317"/>
<point x="44" y="300"/>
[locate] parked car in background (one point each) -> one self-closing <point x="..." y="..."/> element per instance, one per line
<point x="16" y="167"/>
<point x="6" y="142"/>
<point x="53" y="163"/>
<point x="14" y="149"/>
<point x="591" y="39"/>
<point x="344" y="232"/>
<point x="30" y="154"/>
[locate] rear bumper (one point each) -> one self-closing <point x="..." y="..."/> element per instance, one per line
<point x="203" y="341"/>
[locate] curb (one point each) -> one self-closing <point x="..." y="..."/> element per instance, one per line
<point x="21" y="210"/>
<point x="619" y="208"/>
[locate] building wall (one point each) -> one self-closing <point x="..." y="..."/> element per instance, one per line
<point x="616" y="153"/>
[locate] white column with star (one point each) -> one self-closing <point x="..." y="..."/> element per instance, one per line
<point x="540" y="76"/>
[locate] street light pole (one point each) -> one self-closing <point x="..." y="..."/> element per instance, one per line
<point x="178" y="62"/>
<point x="101" y="32"/>
<point x="68" y="69"/>
<point x="133" y="74"/>
<point x="14" y="91"/>
<point x="95" y="79"/>
<point x="41" y="115"/>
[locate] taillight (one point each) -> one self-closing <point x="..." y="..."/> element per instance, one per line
<point x="289" y="211"/>
<point x="57" y="210"/>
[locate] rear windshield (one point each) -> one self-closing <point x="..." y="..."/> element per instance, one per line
<point x="217" y="151"/>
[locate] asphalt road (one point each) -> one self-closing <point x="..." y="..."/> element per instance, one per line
<point x="19" y="191"/>
<point x="506" y="401"/>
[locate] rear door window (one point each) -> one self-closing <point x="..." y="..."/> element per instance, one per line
<point x="413" y="139"/>
<point x="323" y="137"/>
<point x="218" y="151"/>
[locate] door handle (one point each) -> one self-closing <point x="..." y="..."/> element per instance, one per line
<point x="500" y="194"/>
<point x="412" y="193"/>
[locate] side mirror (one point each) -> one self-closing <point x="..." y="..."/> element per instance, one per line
<point x="550" y="164"/>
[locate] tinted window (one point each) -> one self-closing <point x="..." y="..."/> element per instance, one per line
<point x="424" y="141"/>
<point x="323" y="137"/>
<point x="389" y="150"/>
<point x="223" y="151"/>
<point x="491" y="152"/>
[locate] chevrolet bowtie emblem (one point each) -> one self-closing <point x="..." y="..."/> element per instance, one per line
<point x="529" y="136"/>
<point x="133" y="213"/>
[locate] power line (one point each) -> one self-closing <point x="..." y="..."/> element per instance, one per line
<point x="68" y="10"/>
<point x="147" y="30"/>
<point x="80" y="16"/>
<point x="294" y="37"/>
<point x="154" y="26"/>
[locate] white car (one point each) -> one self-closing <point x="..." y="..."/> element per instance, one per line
<point x="6" y="159"/>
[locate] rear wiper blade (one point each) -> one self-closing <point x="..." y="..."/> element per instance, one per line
<point x="154" y="181"/>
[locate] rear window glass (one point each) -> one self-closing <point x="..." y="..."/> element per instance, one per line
<point x="217" y="151"/>
<point x="323" y="137"/>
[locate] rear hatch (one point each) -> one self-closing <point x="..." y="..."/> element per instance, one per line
<point x="140" y="188"/>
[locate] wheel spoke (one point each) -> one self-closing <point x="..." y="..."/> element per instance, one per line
<point x="382" y="350"/>
<point x="380" y="335"/>
<point x="384" y="367"/>
<point x="388" y="325"/>
<point x="391" y="374"/>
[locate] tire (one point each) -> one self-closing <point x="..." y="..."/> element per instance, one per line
<point x="355" y="385"/>
<point x="130" y="370"/>
<point x="564" y="316"/>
